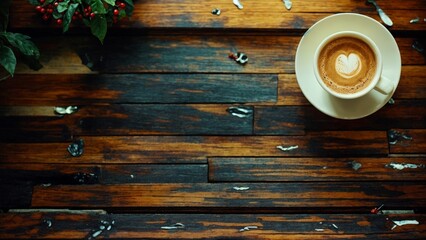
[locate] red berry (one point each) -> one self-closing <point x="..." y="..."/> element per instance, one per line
<point x="46" y="17"/>
<point x="74" y="18"/>
<point x="116" y="12"/>
<point x="59" y="21"/>
<point x="49" y="10"/>
<point x="92" y="15"/>
<point x="43" y="10"/>
<point x="42" y="1"/>
<point x="89" y="8"/>
<point x="38" y="8"/>
<point x="122" y="5"/>
<point x="56" y="4"/>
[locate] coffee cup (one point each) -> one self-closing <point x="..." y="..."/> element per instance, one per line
<point x="348" y="65"/>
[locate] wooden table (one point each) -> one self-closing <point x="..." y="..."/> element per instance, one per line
<point x="180" y="141"/>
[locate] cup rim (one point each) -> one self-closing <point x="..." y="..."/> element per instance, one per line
<point x="377" y="54"/>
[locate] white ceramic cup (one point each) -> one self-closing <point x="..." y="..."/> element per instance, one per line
<point x="379" y="83"/>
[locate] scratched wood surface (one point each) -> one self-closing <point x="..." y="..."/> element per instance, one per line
<point x="268" y="14"/>
<point x="181" y="142"/>
<point x="83" y="224"/>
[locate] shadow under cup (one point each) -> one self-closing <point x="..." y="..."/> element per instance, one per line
<point x="379" y="83"/>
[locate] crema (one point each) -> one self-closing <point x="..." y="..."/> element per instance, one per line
<point x="347" y="65"/>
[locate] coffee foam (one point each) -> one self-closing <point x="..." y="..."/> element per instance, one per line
<point x="347" y="65"/>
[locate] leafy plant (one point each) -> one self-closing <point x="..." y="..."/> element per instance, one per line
<point x="15" y="42"/>
<point x="96" y="14"/>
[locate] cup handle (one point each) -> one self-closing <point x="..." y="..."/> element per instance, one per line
<point x="384" y="86"/>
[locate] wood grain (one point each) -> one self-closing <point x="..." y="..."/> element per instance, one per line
<point x="84" y="89"/>
<point x="164" y="119"/>
<point x="268" y="54"/>
<point x="415" y="145"/>
<point x="269" y="14"/>
<point x="314" y="169"/>
<point x="50" y="173"/>
<point x="57" y="174"/>
<point x="35" y="128"/>
<point x="412" y="84"/>
<point x="128" y="119"/>
<point x="17" y="180"/>
<point x="164" y="143"/>
<point x="226" y="195"/>
<point x="184" y="149"/>
<point x="277" y="120"/>
<point x="82" y="224"/>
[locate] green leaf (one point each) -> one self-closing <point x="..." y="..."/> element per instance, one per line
<point x="7" y="59"/>
<point x="4" y="14"/>
<point x="86" y="22"/>
<point x="97" y="7"/>
<point x="56" y="14"/>
<point x="47" y="2"/>
<point x="122" y="14"/>
<point x="63" y="6"/>
<point x="110" y="2"/>
<point x="98" y="27"/>
<point x="68" y="16"/>
<point x="23" y="44"/>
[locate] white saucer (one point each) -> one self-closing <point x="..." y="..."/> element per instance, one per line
<point x="316" y="95"/>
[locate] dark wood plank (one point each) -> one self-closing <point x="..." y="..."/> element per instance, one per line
<point x="35" y="129"/>
<point x="83" y="224"/>
<point x="315" y="169"/>
<point x="405" y="45"/>
<point x="83" y="89"/>
<point x="411" y="84"/>
<point x="185" y="149"/>
<point x="128" y="119"/>
<point x="164" y="173"/>
<point x="17" y="180"/>
<point x="289" y="92"/>
<point x="166" y="54"/>
<point x="125" y="119"/>
<point x="265" y="16"/>
<point x="277" y="120"/>
<point x="267" y="54"/>
<point x="268" y="14"/>
<point x="415" y="143"/>
<point x="196" y="53"/>
<point x="56" y="174"/>
<point x="50" y="173"/>
<point x="233" y="195"/>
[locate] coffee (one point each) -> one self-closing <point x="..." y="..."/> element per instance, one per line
<point x="347" y="65"/>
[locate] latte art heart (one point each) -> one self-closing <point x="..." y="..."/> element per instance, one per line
<point x="348" y="66"/>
